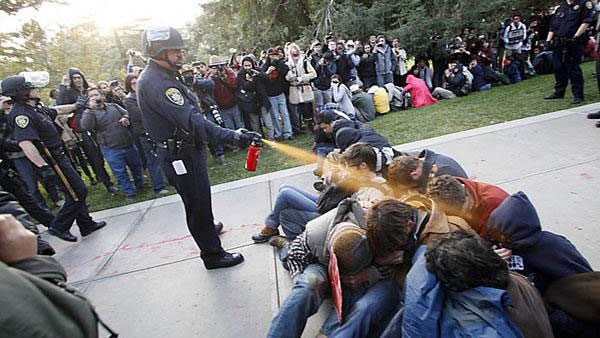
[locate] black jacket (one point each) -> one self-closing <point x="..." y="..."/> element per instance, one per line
<point x="344" y="67"/>
<point x="367" y="68"/>
<point x="324" y="72"/>
<point x="275" y="83"/>
<point x="135" y="115"/>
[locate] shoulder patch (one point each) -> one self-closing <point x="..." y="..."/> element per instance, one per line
<point x="174" y="95"/>
<point x="589" y="5"/>
<point x="22" y="121"/>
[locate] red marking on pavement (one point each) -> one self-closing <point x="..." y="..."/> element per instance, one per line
<point x="252" y="225"/>
<point x="586" y="176"/>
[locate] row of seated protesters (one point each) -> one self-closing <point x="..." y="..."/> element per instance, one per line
<point x="423" y="251"/>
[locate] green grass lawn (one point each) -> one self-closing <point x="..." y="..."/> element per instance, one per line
<point x="480" y="109"/>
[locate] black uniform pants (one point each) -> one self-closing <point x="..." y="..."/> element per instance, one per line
<point x="194" y="189"/>
<point x="72" y="210"/>
<point x="566" y="62"/>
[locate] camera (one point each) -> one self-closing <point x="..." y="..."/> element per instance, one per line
<point x="219" y="66"/>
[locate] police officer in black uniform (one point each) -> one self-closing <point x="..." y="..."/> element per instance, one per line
<point x="174" y="120"/>
<point x="567" y="29"/>
<point x="35" y="131"/>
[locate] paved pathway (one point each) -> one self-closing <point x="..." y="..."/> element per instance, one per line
<point x="145" y="277"/>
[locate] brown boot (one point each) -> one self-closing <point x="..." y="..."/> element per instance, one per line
<point x="265" y="234"/>
<point x="278" y="242"/>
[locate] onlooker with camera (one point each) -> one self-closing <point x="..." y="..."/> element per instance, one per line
<point x="226" y="84"/>
<point x="252" y="98"/>
<point x="386" y="62"/>
<point x="400" y="56"/>
<point x="275" y="86"/>
<point x="110" y="122"/>
<point x="342" y="96"/>
<point x="343" y="61"/>
<point x="367" y="71"/>
<point x="139" y="131"/>
<point x="325" y="68"/>
<point x="71" y="87"/>
<point x="301" y="93"/>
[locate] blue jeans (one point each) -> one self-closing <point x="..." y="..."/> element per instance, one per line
<point x="293" y="221"/>
<point x="383" y="79"/>
<point x="279" y="109"/>
<point x="363" y="310"/>
<point x="290" y="197"/>
<point x="118" y="160"/>
<point x="309" y="290"/>
<point x="158" y="182"/>
<point x="232" y="117"/>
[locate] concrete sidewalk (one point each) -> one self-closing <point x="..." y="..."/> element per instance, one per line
<point x="146" y="279"/>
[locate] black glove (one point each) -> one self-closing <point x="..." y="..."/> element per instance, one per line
<point x="81" y="102"/>
<point x="243" y="137"/>
<point x="47" y="172"/>
<point x="548" y="46"/>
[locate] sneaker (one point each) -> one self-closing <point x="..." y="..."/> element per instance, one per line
<point x="278" y="241"/>
<point x="265" y="234"/>
<point x="288" y="138"/>
<point x="598" y="124"/>
<point x="111" y="189"/>
<point x="162" y="192"/>
<point x="221" y="159"/>
<point x="593" y="116"/>
<point x="60" y="203"/>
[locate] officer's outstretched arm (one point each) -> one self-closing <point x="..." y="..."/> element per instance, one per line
<point x="32" y="153"/>
<point x="208" y="131"/>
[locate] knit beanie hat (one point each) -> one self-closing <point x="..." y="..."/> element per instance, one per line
<point x="351" y="247"/>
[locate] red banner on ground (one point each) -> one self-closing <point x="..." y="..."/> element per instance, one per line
<point x="336" y="285"/>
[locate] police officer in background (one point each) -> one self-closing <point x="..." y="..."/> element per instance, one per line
<point x="173" y="119"/>
<point x="35" y="132"/>
<point x="567" y="36"/>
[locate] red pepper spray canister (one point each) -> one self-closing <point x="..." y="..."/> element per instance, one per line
<point x="253" y="152"/>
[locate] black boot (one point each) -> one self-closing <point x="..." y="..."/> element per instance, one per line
<point x="65" y="235"/>
<point x="88" y="230"/>
<point x="225" y="260"/>
<point x="577" y="100"/>
<point x="593" y="116"/>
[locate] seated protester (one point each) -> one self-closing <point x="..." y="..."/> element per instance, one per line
<point x="381" y="99"/>
<point x="293" y="207"/>
<point x="301" y="94"/>
<point x="363" y="104"/>
<point x="541" y="256"/>
<point x="474" y="293"/>
<point x="455" y="83"/>
<point x="419" y="92"/>
<point x="307" y="258"/>
<point x="324" y="138"/>
<point x="473" y="201"/>
<point x="425" y="73"/>
<point x="413" y="172"/>
<point x="479" y="81"/>
<point x="342" y="96"/>
<point x="511" y="69"/>
<point x="110" y="123"/>
<point x="366" y="68"/>
<point x="252" y="98"/>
